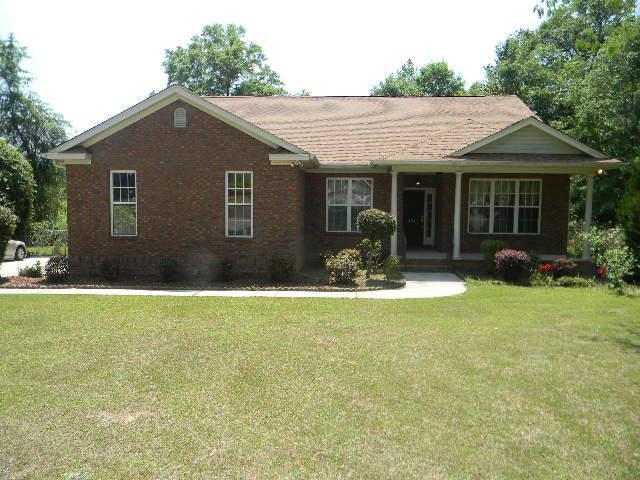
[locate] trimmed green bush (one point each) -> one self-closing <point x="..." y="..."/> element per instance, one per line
<point x="110" y="269"/>
<point x="391" y="268"/>
<point x="376" y="226"/>
<point x="57" y="269"/>
<point x="168" y="269"/>
<point x="342" y="268"/>
<point x="281" y="267"/>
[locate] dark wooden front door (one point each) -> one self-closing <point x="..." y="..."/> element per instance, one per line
<point x="413" y="217"/>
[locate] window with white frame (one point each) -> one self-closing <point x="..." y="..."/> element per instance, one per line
<point x="504" y="206"/>
<point x="239" y="204"/>
<point x="346" y="198"/>
<point x="124" y="203"/>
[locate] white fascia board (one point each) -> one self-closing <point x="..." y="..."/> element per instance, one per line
<point x="304" y="159"/>
<point x="504" y="166"/>
<point x="69" y="158"/>
<point x="534" y="122"/>
<point x="162" y="99"/>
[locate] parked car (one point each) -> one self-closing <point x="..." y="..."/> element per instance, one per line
<point x="16" y="250"/>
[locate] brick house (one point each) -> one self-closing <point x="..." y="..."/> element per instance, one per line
<point x="207" y="178"/>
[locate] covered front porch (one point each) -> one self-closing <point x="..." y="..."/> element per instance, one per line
<point x="437" y="213"/>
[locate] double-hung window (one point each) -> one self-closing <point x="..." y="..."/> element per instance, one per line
<point x="346" y="198"/>
<point x="124" y="203"/>
<point x="239" y="204"/>
<point x="504" y="206"/>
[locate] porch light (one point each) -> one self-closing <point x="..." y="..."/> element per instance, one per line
<point x="600" y="171"/>
<point x="418" y="183"/>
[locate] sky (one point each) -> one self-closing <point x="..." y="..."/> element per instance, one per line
<point x="92" y="59"/>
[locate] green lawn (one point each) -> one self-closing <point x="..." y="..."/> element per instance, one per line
<point x="502" y="382"/>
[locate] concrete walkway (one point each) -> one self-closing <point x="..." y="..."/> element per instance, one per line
<point x="419" y="285"/>
<point x="10" y="268"/>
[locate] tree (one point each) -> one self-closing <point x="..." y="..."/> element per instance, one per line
<point x="438" y="80"/>
<point x="7" y="227"/>
<point x="434" y="79"/>
<point x="220" y="62"/>
<point x="30" y="125"/>
<point x="629" y="210"/>
<point x="579" y="72"/>
<point x="376" y="226"/>
<point x="16" y="185"/>
<point x="399" y="84"/>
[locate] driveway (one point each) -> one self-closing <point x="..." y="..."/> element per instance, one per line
<point x="9" y="268"/>
<point x="419" y="285"/>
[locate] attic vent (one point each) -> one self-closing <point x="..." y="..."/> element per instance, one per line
<point x="180" y="118"/>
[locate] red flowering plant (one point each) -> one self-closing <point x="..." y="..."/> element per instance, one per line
<point x="602" y="272"/>
<point x="545" y="268"/>
<point x="512" y="265"/>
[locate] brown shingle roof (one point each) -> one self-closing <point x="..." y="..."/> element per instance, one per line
<point x="359" y="130"/>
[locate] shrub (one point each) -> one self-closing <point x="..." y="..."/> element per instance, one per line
<point x="618" y="264"/>
<point x="168" y="269"/>
<point x="281" y="268"/>
<point x="574" y="282"/>
<point x="371" y="251"/>
<point x="57" y="269"/>
<point x="541" y="279"/>
<point x="32" y="271"/>
<point x="342" y="268"/>
<point x="603" y="239"/>
<point x="489" y="250"/>
<point x="356" y="254"/>
<point x="629" y="209"/>
<point x="512" y="265"/>
<point x="391" y="268"/>
<point x="563" y="267"/>
<point x="225" y="274"/>
<point x="376" y="226"/>
<point x="110" y="269"/>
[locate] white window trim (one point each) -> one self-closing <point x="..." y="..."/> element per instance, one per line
<point x="348" y="205"/>
<point x="516" y="205"/>
<point x="226" y="203"/>
<point x="112" y="203"/>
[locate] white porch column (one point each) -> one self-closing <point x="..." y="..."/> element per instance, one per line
<point x="394" y="212"/>
<point x="456" y="217"/>
<point x="588" y="210"/>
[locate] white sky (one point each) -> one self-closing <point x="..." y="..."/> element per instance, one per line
<point x="92" y="59"/>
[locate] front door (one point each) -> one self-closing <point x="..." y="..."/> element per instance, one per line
<point x="413" y="217"/>
<point x="419" y="216"/>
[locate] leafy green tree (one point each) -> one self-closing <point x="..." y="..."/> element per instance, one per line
<point x="478" y="89"/>
<point x="399" y="84"/>
<point x="434" y="79"/>
<point x="220" y="61"/>
<point x="629" y="211"/>
<point x="579" y="72"/>
<point x="16" y="184"/>
<point x="437" y="79"/>
<point x="30" y="125"/>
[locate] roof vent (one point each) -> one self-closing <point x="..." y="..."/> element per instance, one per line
<point x="180" y="118"/>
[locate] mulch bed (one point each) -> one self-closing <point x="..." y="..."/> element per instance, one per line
<point x="300" y="283"/>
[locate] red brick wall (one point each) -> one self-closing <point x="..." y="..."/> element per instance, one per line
<point x="317" y="238"/>
<point x="181" y="197"/>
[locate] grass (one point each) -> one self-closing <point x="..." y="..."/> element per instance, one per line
<point x="501" y="382"/>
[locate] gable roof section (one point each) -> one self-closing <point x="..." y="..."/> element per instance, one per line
<point x="528" y="123"/>
<point x="155" y="103"/>
<point x="363" y="130"/>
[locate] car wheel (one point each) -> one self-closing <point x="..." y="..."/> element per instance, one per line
<point x="20" y="253"/>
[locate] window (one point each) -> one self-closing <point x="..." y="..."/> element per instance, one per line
<point x="124" y="204"/>
<point x="239" y="204"/>
<point x="180" y="118"/>
<point x="504" y="206"/>
<point x="346" y="198"/>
